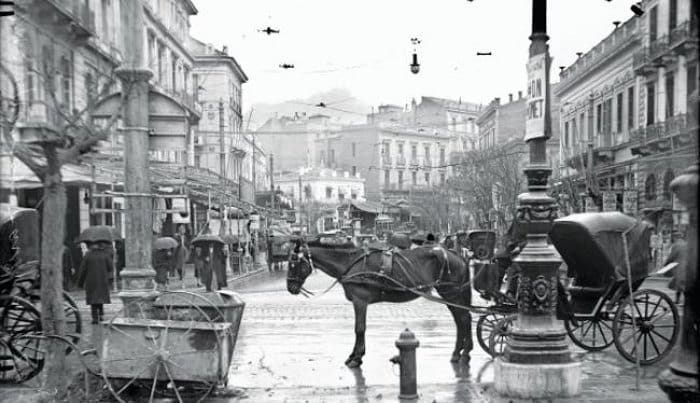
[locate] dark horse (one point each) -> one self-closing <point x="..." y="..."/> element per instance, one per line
<point x="369" y="276"/>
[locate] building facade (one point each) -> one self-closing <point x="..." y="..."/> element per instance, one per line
<point x="323" y="185"/>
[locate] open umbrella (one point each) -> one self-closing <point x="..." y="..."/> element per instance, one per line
<point x="165" y="242"/>
<point x="208" y="238"/>
<point x="230" y="239"/>
<point x="116" y="234"/>
<point x="97" y="233"/>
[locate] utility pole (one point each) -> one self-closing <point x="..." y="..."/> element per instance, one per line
<point x="253" y="166"/>
<point x="537" y="362"/>
<point x="137" y="277"/>
<point x="222" y="142"/>
<point x="299" y="208"/>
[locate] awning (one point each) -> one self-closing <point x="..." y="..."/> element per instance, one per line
<point x="368" y="207"/>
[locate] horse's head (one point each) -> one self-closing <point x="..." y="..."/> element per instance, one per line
<point x="300" y="266"/>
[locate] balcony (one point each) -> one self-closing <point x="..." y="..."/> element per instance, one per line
<point x="662" y="136"/>
<point x="386" y="160"/>
<point x="75" y="15"/>
<point x="400" y="161"/>
<point x="664" y="50"/>
<point x="414" y="163"/>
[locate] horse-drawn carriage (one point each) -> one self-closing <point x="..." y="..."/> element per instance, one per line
<point x="607" y="258"/>
<point x="278" y="246"/>
<point x="21" y="339"/>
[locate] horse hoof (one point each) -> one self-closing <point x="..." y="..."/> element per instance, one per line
<point x="455" y="358"/>
<point x="354" y="363"/>
<point x="466" y="358"/>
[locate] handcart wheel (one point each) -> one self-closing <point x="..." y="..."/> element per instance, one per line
<point x="156" y="367"/>
<point x="21" y="349"/>
<point x="500" y="334"/>
<point x="656" y="320"/>
<point x="484" y="327"/>
<point x="591" y="334"/>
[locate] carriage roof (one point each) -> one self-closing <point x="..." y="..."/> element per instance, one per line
<point x="592" y="247"/>
<point x="26" y="222"/>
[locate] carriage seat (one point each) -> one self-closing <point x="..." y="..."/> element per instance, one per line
<point x="578" y="291"/>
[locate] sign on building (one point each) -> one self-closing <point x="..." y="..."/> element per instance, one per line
<point x="536" y="97"/>
<point x="629" y="202"/>
<point x="591" y="207"/>
<point x="609" y="201"/>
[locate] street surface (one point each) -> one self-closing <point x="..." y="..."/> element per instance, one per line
<point x="292" y="349"/>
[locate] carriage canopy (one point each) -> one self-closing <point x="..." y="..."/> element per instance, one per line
<point x="591" y="245"/>
<point x="19" y="234"/>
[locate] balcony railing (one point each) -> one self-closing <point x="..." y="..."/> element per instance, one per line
<point x="401" y="161"/>
<point x="77" y="11"/>
<point x="386" y="160"/>
<point x="669" y="128"/>
<point x="683" y="33"/>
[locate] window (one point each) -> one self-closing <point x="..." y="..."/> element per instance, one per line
<point x="65" y="82"/>
<point x="332" y="157"/>
<point x="400" y="149"/>
<point x="442" y="156"/>
<point x="329" y="192"/>
<point x="598" y="118"/>
<point x="442" y="179"/>
<point x="670" y="94"/>
<point x="31" y="83"/>
<point x="427" y="155"/>
<point x="161" y="63"/>
<point x="89" y="88"/>
<point x="353" y="150"/>
<point x="323" y="157"/>
<point x="400" y="179"/>
<point x="566" y="134"/>
<point x="195" y="85"/>
<point x="427" y="178"/>
<point x="354" y="170"/>
<point x="414" y="152"/>
<point x="618" y="116"/>
<point x="387" y="178"/>
<point x="668" y="177"/>
<point x="105" y="20"/>
<point x="692" y="78"/>
<point x="650" y="187"/>
<point x="582" y="126"/>
<point x="173" y="72"/>
<point x="574" y="132"/>
<point x="651" y="103"/>
<point x="151" y="50"/>
<point x="630" y="108"/>
<point x="653" y="20"/>
<point x="672" y="14"/>
<point x="414" y="178"/>
<point x="607" y="120"/>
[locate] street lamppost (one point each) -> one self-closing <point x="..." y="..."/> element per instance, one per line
<point x="537" y="362"/>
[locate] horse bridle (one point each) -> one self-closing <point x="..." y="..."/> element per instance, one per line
<point x="301" y="256"/>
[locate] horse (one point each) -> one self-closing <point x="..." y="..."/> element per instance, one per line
<point x="369" y="276"/>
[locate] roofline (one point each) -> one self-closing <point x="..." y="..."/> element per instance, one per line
<point x="216" y="57"/>
<point x="190" y="7"/>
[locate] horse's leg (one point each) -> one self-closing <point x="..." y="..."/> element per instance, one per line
<point x="355" y="359"/>
<point x="459" y="343"/>
<point x="468" y="343"/>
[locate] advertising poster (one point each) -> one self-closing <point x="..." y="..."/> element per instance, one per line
<point x="609" y="201"/>
<point x="536" y="97"/>
<point x="591" y="207"/>
<point x="629" y="202"/>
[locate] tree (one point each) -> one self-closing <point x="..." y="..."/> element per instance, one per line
<point x="492" y="179"/>
<point x="71" y="135"/>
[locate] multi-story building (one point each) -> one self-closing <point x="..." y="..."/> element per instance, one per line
<point x="327" y="186"/>
<point x="665" y="139"/>
<point x="292" y="140"/>
<point x="625" y="124"/>
<point x="219" y="144"/>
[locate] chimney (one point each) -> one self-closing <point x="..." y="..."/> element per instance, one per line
<point x="510" y="97"/>
<point x="405" y="108"/>
<point x="497" y="101"/>
<point x="520" y="95"/>
<point x="224" y="50"/>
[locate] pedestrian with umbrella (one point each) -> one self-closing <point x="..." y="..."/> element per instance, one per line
<point x="95" y="269"/>
<point x="181" y="250"/>
<point x="163" y="248"/>
<point x="210" y="257"/>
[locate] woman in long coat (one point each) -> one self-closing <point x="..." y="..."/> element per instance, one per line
<point x="94" y="276"/>
<point x="218" y="264"/>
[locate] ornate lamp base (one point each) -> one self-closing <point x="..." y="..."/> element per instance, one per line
<point x="679" y="387"/>
<point x="541" y="381"/>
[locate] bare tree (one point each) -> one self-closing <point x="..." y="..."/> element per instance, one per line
<point x="70" y="136"/>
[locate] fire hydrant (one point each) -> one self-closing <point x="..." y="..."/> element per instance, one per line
<point x="407" y="344"/>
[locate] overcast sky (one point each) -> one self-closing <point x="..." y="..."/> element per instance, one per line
<point x="364" y="45"/>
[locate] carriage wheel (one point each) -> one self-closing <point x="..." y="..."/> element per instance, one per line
<point x="591" y="334"/>
<point x="21" y="351"/>
<point x="656" y="319"/>
<point x="484" y="327"/>
<point x="500" y="334"/>
<point x="153" y="371"/>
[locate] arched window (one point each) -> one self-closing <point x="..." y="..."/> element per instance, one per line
<point x="668" y="177"/>
<point x="650" y="187"/>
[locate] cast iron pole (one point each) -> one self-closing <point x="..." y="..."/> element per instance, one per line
<point x="537" y="362"/>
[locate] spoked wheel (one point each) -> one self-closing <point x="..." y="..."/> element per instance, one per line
<point x="74" y="323"/>
<point x="655" y="326"/>
<point x="21" y="349"/>
<point x="166" y="358"/>
<point x="484" y="327"/>
<point x="500" y="334"/>
<point x="591" y="334"/>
